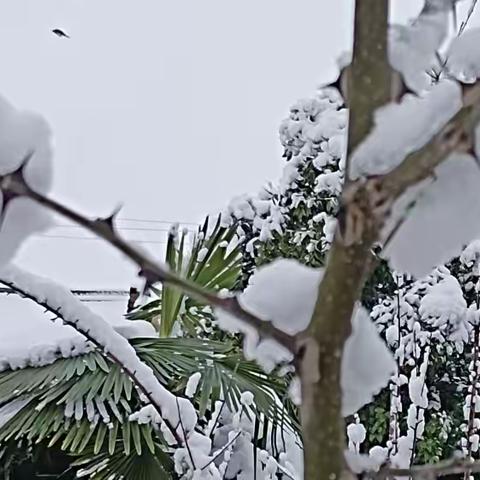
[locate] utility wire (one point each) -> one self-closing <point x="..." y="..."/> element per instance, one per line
<point x="76" y="237"/>
<point x="120" y="227"/>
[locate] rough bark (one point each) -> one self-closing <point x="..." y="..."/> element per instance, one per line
<point x="368" y="87"/>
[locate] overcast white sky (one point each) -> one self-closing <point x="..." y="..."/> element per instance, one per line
<point x="168" y="107"/>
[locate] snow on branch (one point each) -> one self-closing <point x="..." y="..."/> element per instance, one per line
<point x="454" y="466"/>
<point x="403" y="128"/>
<point x="63" y="304"/>
<point x="367" y="364"/>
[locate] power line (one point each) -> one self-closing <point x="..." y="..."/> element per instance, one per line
<point x="87" y="296"/>
<point x="81" y="293"/>
<point x="146" y="229"/>
<point x="76" y="237"/>
<point x="157" y="221"/>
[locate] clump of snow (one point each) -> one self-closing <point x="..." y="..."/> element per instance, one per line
<point x="45" y="353"/>
<point x="463" y="57"/>
<point x="360" y="462"/>
<point x="356" y="434"/>
<point x="295" y="391"/>
<point x="367" y="364"/>
<point x="470" y="255"/>
<point x="23" y="133"/>
<point x="446" y="309"/>
<point x="285" y="293"/>
<point x="135" y="329"/>
<point x="412" y="48"/>
<point x="192" y="384"/>
<point x="202" y="254"/>
<point x="451" y="198"/>
<point x="53" y="339"/>
<point x="402" y="128"/>
<point x="247" y="398"/>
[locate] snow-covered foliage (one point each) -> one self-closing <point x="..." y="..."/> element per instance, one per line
<point x="431" y="325"/>
<point x="296" y="217"/>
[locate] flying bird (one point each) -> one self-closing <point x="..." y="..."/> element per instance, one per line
<point x="60" y="33"/>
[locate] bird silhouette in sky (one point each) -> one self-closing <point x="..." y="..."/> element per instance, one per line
<point x="60" y="33"/>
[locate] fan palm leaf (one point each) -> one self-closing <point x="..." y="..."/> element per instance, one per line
<point x="213" y="262"/>
<point x="82" y="404"/>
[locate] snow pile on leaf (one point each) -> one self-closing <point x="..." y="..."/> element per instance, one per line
<point x="302" y="205"/>
<point x="284" y="292"/>
<point x="23" y="134"/>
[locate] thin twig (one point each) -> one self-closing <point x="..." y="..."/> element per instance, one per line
<point x="233" y="440"/>
<point x="230" y="382"/>
<point x="185" y="434"/>
<point x="467" y="18"/>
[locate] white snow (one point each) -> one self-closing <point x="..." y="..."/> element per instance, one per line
<point x="446" y="309"/>
<point x="247" y="399"/>
<point x="360" y="462"/>
<point x="74" y="312"/>
<point x="192" y="384"/>
<point x="356" y="434"/>
<point x="450" y="199"/>
<point x="402" y="128"/>
<point x="20" y="134"/>
<point x="285" y="293"/>
<point x="463" y="57"/>
<point x="367" y="364"/>
<point x="52" y="339"/>
<point x="412" y="47"/>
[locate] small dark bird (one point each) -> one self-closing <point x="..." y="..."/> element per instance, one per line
<point x="60" y="33"/>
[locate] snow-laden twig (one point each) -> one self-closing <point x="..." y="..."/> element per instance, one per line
<point x="14" y="185"/>
<point x="453" y="466"/>
<point x="60" y="302"/>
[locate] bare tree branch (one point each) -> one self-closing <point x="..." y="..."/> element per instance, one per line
<point x="14" y="185"/>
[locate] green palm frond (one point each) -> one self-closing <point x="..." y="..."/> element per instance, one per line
<point x="82" y="404"/>
<point x="124" y="466"/>
<point x="213" y="262"/>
